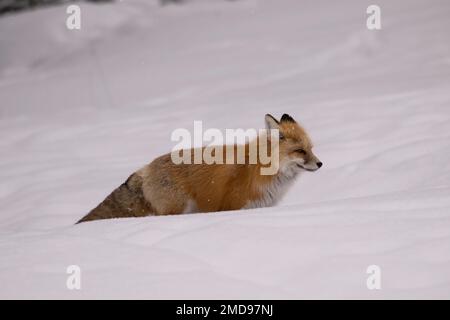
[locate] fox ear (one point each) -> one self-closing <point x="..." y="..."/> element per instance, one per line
<point x="287" y="118"/>
<point x="271" y="122"/>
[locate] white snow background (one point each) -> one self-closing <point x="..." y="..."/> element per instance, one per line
<point x="81" y="110"/>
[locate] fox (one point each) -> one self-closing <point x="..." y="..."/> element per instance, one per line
<point x="165" y="188"/>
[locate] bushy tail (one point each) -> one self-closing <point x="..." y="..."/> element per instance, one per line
<point x="125" y="201"/>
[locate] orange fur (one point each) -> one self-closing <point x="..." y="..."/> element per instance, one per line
<point x="169" y="188"/>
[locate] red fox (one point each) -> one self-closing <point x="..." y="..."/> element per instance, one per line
<point x="163" y="187"/>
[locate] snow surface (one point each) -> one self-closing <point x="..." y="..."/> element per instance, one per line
<point x="81" y="110"/>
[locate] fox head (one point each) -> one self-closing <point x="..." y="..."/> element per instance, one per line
<point x="295" y="145"/>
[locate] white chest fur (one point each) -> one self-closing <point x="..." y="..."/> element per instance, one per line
<point x="274" y="191"/>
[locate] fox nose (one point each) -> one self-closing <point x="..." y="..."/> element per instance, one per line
<point x="319" y="164"/>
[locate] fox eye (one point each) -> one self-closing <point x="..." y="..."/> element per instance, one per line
<point x="281" y="136"/>
<point x="301" y="151"/>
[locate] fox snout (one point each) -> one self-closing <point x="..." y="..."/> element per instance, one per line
<point x="313" y="164"/>
<point x="313" y="167"/>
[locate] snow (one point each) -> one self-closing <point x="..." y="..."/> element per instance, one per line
<point x="81" y="110"/>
